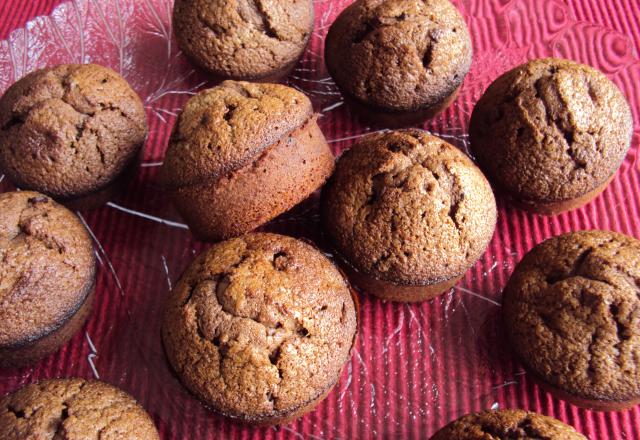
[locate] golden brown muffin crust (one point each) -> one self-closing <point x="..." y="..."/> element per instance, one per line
<point x="283" y="175"/>
<point x="399" y="55"/>
<point x="47" y="266"/>
<point x="223" y="128"/>
<point x="572" y="312"/>
<point x="69" y="130"/>
<point x="409" y="208"/>
<point x="551" y="130"/>
<point x="73" y="409"/>
<point x="243" y="39"/>
<point x="507" y="424"/>
<point x="260" y="325"/>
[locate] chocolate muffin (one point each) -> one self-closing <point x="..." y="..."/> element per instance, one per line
<point x="507" y="424"/>
<point x="241" y="154"/>
<point x="572" y="313"/>
<point x="551" y="133"/>
<point x="244" y="39"/>
<point x="408" y="213"/>
<point x="73" y="409"/>
<point x="259" y="327"/>
<point x="72" y="132"/>
<point x="47" y="277"/>
<point x="399" y="61"/>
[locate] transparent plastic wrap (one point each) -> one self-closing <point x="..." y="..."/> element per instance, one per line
<point x="415" y="366"/>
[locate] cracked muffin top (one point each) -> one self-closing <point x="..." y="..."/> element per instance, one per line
<point x="47" y="266"/>
<point x="243" y="39"/>
<point x="73" y="409"/>
<point x="551" y="130"/>
<point x="401" y="55"/>
<point x="408" y="208"/>
<point x="260" y="326"/>
<point x="572" y="312"/>
<point x="224" y="128"/>
<point x="69" y="130"/>
<point x="507" y="424"/>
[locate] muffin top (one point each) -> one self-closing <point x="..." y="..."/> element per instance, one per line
<point x="572" y="313"/>
<point x="73" y="409"/>
<point x="259" y="326"/>
<point x="69" y="130"/>
<point x="408" y="208"/>
<point x="507" y="424"/>
<point x="48" y="266"/>
<point x="243" y="39"/>
<point x="223" y="128"/>
<point x="551" y="130"/>
<point x="399" y="55"/>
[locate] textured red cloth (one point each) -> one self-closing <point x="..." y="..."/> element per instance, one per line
<point x="416" y="367"/>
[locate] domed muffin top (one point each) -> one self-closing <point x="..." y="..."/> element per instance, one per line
<point x="507" y="424"/>
<point x="73" y="409"/>
<point x="572" y="312"/>
<point x="259" y="326"/>
<point x="69" y="130"/>
<point x="223" y="128"/>
<point x="409" y="208"/>
<point x="243" y="39"/>
<point x="400" y="55"/>
<point x="48" y="266"/>
<point x="550" y="130"/>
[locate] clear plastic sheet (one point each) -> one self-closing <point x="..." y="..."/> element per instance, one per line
<point x="415" y="366"/>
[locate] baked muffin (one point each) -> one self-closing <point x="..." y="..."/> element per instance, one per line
<point x="47" y="277"/>
<point x="399" y="61"/>
<point x="551" y="133"/>
<point x="73" y="409"/>
<point x="259" y="327"/>
<point x="408" y="213"/>
<point x="244" y="39"/>
<point x="72" y="132"/>
<point x="241" y="154"/>
<point x="572" y="313"/>
<point x="507" y="424"/>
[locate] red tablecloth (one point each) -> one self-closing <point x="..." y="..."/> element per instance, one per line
<point x="416" y="367"/>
